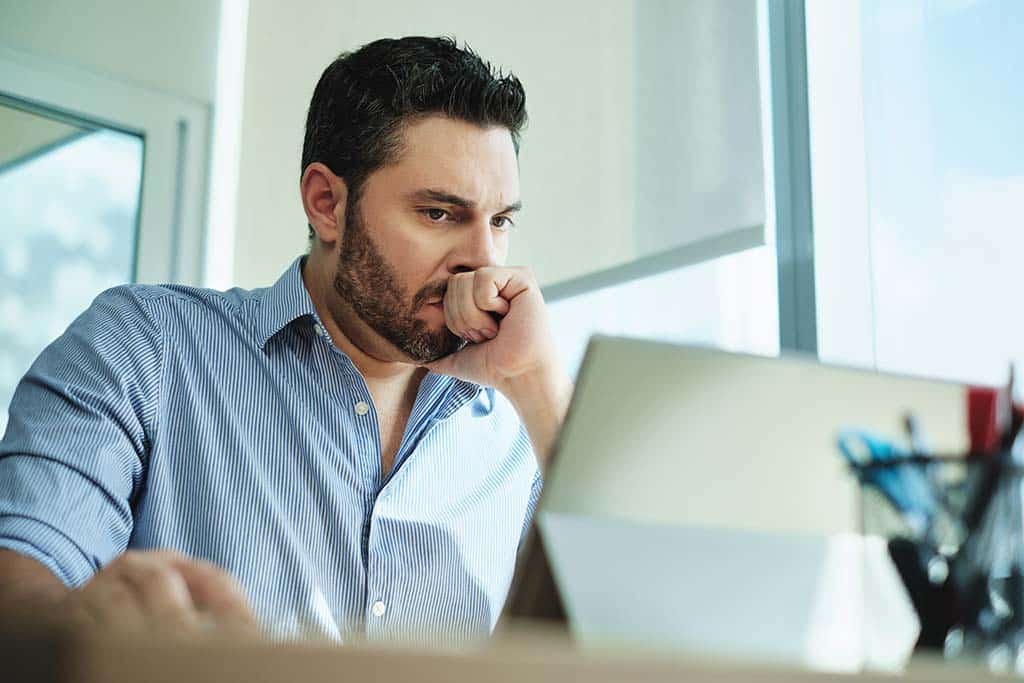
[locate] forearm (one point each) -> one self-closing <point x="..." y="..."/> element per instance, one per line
<point x="541" y="399"/>
<point x="29" y="592"/>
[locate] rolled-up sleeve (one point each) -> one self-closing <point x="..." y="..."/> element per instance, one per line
<point x="73" y="457"/>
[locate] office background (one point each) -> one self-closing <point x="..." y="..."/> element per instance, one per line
<point x="870" y="148"/>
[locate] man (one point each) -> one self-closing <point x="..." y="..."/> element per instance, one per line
<point x="352" y="451"/>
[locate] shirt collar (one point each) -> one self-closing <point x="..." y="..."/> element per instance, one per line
<point x="283" y="303"/>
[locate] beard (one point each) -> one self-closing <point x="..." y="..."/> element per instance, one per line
<point x="370" y="285"/>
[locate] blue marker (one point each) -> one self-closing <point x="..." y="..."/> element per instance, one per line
<point x="906" y="487"/>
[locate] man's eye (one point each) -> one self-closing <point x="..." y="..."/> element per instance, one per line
<point x="502" y="222"/>
<point x="436" y="215"/>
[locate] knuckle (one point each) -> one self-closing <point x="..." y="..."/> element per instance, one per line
<point x="482" y="286"/>
<point x="126" y="561"/>
<point x="167" y="554"/>
<point x="159" y="577"/>
<point x="214" y="574"/>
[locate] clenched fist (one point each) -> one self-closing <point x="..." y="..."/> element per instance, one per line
<point x="501" y="311"/>
<point x="161" y="591"/>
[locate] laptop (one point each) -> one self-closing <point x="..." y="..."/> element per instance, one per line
<point x="676" y="460"/>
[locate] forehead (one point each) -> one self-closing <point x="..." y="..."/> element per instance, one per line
<point x="459" y="157"/>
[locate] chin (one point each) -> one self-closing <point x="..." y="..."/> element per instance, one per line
<point x="433" y="346"/>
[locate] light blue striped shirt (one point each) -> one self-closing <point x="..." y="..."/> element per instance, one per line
<point x="225" y="425"/>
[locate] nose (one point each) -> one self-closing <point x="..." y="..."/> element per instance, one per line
<point x="476" y="250"/>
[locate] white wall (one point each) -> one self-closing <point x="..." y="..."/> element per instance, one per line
<point x="169" y="46"/>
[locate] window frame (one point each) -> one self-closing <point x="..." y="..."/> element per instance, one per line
<point x="793" y="192"/>
<point x="175" y="132"/>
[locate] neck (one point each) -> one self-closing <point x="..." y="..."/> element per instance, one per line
<point x="354" y="337"/>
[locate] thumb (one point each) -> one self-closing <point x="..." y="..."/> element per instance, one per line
<point x="442" y="366"/>
<point x="463" y="364"/>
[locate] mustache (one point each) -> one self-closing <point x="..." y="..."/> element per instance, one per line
<point x="433" y="290"/>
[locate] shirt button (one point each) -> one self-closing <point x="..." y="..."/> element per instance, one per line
<point x="320" y="329"/>
<point x="362" y="408"/>
<point x="378" y="609"/>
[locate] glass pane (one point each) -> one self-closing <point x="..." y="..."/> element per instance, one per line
<point x="730" y="303"/>
<point x="945" y="169"/>
<point x="69" y="205"/>
<point x="653" y="144"/>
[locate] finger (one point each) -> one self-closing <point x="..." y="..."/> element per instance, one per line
<point x="459" y="288"/>
<point x="513" y="282"/>
<point x="480" y="320"/>
<point x="216" y="592"/>
<point x="109" y="602"/>
<point x="479" y="323"/>
<point x="163" y="594"/>
<point x="487" y="293"/>
<point x="451" y="319"/>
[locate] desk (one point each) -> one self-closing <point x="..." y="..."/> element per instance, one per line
<point x="509" y="658"/>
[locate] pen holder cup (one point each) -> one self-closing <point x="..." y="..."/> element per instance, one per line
<point x="956" y="535"/>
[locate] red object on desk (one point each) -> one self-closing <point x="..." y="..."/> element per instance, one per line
<point x="983" y="421"/>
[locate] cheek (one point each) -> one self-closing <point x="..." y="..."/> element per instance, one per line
<point x="418" y="264"/>
<point x="418" y="255"/>
<point x="501" y="247"/>
<point x="426" y="259"/>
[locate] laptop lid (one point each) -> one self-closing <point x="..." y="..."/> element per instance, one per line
<point x="684" y="435"/>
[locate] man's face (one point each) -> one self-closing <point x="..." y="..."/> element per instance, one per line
<point x="445" y="207"/>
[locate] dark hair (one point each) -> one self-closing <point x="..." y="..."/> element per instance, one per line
<point x="364" y="97"/>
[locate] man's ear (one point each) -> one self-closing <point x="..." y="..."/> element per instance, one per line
<point x="323" y="197"/>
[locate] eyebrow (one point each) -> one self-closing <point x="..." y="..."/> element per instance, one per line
<point x="430" y="195"/>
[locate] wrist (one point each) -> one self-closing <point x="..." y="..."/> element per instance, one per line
<point x="547" y="386"/>
<point x="541" y="398"/>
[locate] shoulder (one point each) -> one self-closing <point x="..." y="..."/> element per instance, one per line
<point x="142" y="321"/>
<point x="170" y="297"/>
<point x="161" y="306"/>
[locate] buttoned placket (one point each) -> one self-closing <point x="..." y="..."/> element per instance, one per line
<point x="376" y="601"/>
<point x="377" y="608"/>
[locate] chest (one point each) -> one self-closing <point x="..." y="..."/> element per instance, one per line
<point x="391" y="406"/>
<point x="436" y="542"/>
<point x="392" y="421"/>
<point x="267" y="466"/>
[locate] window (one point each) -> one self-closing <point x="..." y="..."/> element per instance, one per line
<point x="730" y="302"/>
<point x="101" y="183"/>
<point x="918" y="178"/>
<point x="69" y="204"/>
